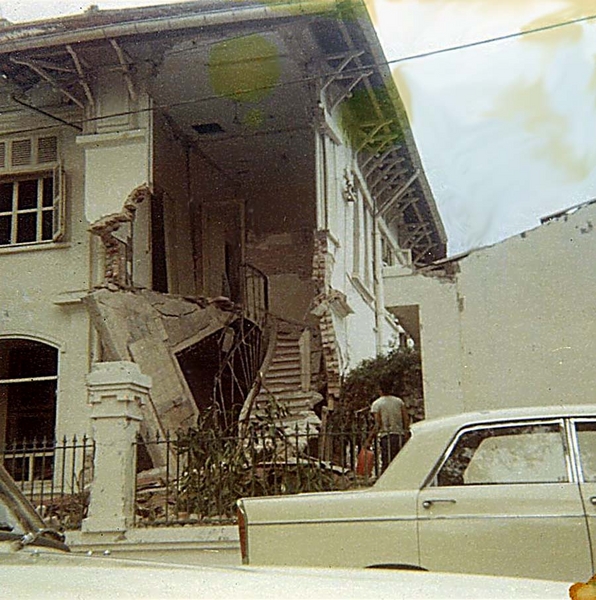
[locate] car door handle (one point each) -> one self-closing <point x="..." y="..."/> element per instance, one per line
<point x="593" y="500"/>
<point x="430" y="502"/>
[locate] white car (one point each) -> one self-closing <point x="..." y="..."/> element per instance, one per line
<point x="508" y="492"/>
<point x="81" y="577"/>
<point x="35" y="563"/>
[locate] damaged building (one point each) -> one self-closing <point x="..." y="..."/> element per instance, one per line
<point x="207" y="189"/>
<point x="507" y="325"/>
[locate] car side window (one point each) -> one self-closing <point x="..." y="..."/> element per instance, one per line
<point x="586" y="441"/>
<point x="502" y="455"/>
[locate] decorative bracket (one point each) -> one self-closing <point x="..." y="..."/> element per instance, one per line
<point x="384" y="208"/>
<point x="349" y="77"/>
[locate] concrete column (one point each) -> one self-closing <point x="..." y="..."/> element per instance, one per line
<point x="117" y="391"/>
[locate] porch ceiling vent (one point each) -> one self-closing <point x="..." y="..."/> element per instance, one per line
<point x="208" y="128"/>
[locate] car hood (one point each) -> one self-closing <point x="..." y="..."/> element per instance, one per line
<point x="40" y="574"/>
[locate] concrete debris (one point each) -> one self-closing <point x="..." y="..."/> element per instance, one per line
<point x="150" y="328"/>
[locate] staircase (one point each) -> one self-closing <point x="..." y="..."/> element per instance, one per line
<point x="287" y="380"/>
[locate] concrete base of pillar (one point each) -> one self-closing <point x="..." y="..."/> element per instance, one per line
<point x="103" y="525"/>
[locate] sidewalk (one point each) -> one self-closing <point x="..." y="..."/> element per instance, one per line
<point x="191" y="544"/>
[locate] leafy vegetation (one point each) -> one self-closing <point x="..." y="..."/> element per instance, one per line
<point x="267" y="460"/>
<point x="399" y="371"/>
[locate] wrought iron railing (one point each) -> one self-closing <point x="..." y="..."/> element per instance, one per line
<point x="255" y="300"/>
<point x="205" y="472"/>
<point x="54" y="475"/>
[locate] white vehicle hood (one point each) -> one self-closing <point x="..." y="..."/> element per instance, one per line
<point x="49" y="576"/>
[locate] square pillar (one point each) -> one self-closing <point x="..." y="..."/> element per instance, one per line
<point x="117" y="392"/>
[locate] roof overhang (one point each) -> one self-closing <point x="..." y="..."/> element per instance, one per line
<point x="387" y="154"/>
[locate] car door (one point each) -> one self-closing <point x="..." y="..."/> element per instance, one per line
<point x="584" y="439"/>
<point x="504" y="501"/>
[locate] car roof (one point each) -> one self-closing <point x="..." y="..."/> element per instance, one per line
<point x="518" y="413"/>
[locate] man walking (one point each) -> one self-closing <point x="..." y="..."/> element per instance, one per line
<point x="391" y="424"/>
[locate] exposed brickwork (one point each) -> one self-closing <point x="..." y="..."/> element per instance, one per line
<point x="116" y="251"/>
<point x="321" y="275"/>
<point x="278" y="254"/>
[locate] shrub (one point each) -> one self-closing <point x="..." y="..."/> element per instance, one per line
<point x="399" y="371"/>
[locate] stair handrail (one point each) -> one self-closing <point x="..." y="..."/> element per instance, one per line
<point x="271" y="328"/>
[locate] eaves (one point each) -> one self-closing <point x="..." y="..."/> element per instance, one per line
<point x="97" y="25"/>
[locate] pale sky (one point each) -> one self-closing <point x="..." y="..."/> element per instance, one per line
<point x="506" y="131"/>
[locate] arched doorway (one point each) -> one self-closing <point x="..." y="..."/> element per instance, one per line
<point x="28" y="389"/>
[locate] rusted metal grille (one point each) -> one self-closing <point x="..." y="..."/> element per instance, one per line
<point x="54" y="475"/>
<point x="205" y="473"/>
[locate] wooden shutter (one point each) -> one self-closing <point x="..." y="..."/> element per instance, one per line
<point x="47" y="149"/>
<point x="58" y="205"/>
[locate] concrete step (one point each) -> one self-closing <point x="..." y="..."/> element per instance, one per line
<point x="277" y="371"/>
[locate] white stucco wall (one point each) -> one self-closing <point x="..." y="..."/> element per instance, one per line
<point x="115" y="164"/>
<point x="364" y="332"/>
<point x="515" y="326"/>
<point x="43" y="283"/>
<point x="40" y="292"/>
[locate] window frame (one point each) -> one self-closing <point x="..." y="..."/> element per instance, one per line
<point x="574" y="444"/>
<point x="37" y="166"/>
<point x="569" y="455"/>
<point x="363" y="236"/>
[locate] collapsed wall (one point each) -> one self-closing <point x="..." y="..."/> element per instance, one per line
<point x="151" y="329"/>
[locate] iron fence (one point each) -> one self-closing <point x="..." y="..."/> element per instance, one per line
<point x="205" y="473"/>
<point x="54" y="475"/>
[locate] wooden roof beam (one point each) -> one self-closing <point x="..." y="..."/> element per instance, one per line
<point x="47" y="77"/>
<point x="82" y="80"/>
<point x="398" y="196"/>
<point x="125" y="67"/>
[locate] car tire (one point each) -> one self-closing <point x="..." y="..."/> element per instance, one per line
<point x="397" y="567"/>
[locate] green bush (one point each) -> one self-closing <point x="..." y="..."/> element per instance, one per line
<point x="399" y="371"/>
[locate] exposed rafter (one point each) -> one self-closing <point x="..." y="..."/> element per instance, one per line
<point x="41" y="71"/>
<point x="377" y="136"/>
<point x="385" y="160"/>
<point x="410" y="201"/>
<point x="374" y="161"/>
<point x="386" y="206"/>
<point x="345" y="78"/>
<point x="82" y="80"/>
<point x="384" y="170"/>
<point x="388" y="179"/>
<point x="125" y="67"/>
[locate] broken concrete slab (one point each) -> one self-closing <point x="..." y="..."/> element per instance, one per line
<point x="150" y="328"/>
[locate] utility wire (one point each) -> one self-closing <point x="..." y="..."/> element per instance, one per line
<point x="352" y="70"/>
<point x="499" y="38"/>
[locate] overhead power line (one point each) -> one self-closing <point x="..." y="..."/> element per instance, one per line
<point x="499" y="38"/>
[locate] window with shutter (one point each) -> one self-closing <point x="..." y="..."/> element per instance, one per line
<point x="58" y="205"/>
<point x="31" y="191"/>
